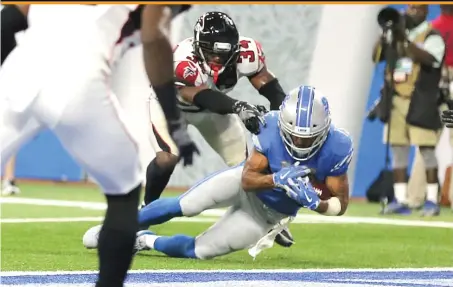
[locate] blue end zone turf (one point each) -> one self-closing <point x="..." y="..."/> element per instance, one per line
<point x="339" y="278"/>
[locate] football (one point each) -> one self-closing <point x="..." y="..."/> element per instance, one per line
<point x="321" y="188"/>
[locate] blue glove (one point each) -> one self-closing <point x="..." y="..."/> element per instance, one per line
<point x="301" y="191"/>
<point x="291" y="172"/>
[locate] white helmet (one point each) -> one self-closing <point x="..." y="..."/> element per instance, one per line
<point x="304" y="122"/>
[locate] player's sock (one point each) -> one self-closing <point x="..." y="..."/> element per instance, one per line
<point x="180" y="246"/>
<point x="117" y="238"/>
<point x="432" y="192"/>
<point x="156" y="180"/>
<point x="400" y="189"/>
<point x="159" y="211"/>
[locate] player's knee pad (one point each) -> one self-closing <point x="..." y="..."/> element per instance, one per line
<point x="429" y="157"/>
<point x="400" y="156"/>
<point x="235" y="158"/>
<point x="122" y="210"/>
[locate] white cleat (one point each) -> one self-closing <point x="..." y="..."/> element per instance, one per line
<point x="91" y="237"/>
<point x="140" y="241"/>
<point x="9" y="188"/>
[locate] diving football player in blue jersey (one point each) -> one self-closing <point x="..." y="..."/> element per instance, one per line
<point x="298" y="143"/>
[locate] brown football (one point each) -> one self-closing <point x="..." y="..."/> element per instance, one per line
<point x="321" y="188"/>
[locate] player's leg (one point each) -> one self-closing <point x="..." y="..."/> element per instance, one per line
<point x="417" y="182"/>
<point x="131" y="85"/>
<point x="9" y="186"/>
<point x="400" y="145"/>
<point x="18" y="88"/>
<point x="161" y="167"/>
<point x="240" y="227"/>
<point x="225" y="134"/>
<point x="16" y="129"/>
<point x="220" y="189"/>
<point x="427" y="140"/>
<point x="94" y="130"/>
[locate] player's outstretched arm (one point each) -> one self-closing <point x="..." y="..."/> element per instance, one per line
<point x="338" y="203"/>
<point x="158" y="57"/>
<point x="206" y="98"/>
<point x="254" y="175"/>
<point x="269" y="87"/>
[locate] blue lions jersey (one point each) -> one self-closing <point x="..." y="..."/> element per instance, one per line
<point x="331" y="160"/>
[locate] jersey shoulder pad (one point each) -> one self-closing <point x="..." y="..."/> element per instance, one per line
<point x="251" y="57"/>
<point x="187" y="69"/>
<point x="263" y="141"/>
<point x="341" y="150"/>
<point x="183" y="49"/>
<point x="187" y="74"/>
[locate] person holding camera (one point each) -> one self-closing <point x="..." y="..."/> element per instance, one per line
<point x="409" y="106"/>
<point x="445" y="26"/>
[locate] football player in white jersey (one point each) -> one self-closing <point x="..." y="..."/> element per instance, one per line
<point x="58" y="78"/>
<point x="207" y="66"/>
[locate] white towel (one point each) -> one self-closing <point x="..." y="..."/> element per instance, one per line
<point x="267" y="241"/>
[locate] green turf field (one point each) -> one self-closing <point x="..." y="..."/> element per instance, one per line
<point x="58" y="245"/>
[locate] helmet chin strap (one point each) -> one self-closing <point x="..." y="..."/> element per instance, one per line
<point x="213" y="70"/>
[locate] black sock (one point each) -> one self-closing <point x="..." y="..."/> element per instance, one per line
<point x="157" y="179"/>
<point x="117" y="238"/>
<point x="166" y="94"/>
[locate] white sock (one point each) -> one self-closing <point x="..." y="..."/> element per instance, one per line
<point x="400" y="189"/>
<point x="432" y="192"/>
<point x="150" y="239"/>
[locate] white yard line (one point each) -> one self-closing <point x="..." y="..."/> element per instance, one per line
<point x="43" y="273"/>
<point x="301" y="218"/>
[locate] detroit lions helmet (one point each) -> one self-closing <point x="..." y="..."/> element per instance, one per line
<point x="304" y="122"/>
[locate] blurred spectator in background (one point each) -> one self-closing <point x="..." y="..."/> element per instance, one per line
<point x="9" y="184"/>
<point x="414" y="116"/>
<point x="417" y="183"/>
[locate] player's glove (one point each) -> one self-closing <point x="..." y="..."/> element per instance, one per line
<point x="181" y="137"/>
<point x="250" y="115"/>
<point x="291" y="172"/>
<point x="262" y="109"/>
<point x="301" y="191"/>
<point x="447" y="118"/>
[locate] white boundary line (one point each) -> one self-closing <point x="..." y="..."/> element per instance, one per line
<point x="301" y="218"/>
<point x="84" y="272"/>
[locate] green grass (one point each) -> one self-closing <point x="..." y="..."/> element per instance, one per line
<point x="35" y="211"/>
<point x="58" y="246"/>
<point x="68" y="191"/>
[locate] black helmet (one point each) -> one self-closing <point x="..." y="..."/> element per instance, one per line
<point x="216" y="42"/>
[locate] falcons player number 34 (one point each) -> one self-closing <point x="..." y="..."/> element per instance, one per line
<point x="250" y="54"/>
